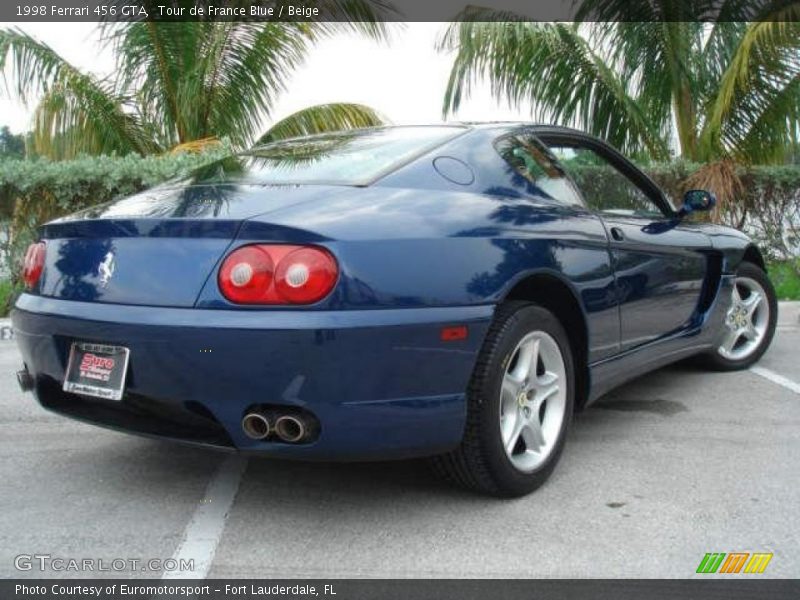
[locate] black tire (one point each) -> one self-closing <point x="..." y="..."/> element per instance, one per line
<point x="716" y="361"/>
<point x="480" y="463"/>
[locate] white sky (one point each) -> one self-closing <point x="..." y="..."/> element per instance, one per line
<point x="404" y="79"/>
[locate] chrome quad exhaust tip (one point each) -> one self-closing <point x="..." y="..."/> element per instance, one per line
<point x="290" y="429"/>
<point x="256" y="426"/>
<point x="290" y="426"/>
<point x="295" y="429"/>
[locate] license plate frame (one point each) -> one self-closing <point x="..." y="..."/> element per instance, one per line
<point x="97" y="370"/>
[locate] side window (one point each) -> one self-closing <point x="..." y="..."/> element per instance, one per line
<point x="532" y="161"/>
<point x="604" y="188"/>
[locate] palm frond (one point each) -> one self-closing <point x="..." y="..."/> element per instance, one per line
<point x="653" y="11"/>
<point x="362" y="17"/>
<point x="215" y="78"/>
<point x="322" y="118"/>
<point x="552" y="66"/>
<point x="773" y="134"/>
<point x="157" y="61"/>
<point x="721" y="44"/>
<point x="77" y="112"/>
<point x="253" y="69"/>
<point x="755" y="108"/>
<point x="658" y="61"/>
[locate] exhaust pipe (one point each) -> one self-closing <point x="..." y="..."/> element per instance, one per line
<point x="256" y="426"/>
<point x="293" y="429"/>
<point x="25" y="380"/>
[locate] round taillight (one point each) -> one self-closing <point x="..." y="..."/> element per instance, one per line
<point x="33" y="264"/>
<point x="303" y="275"/>
<point x="246" y="275"/>
<point x="306" y="275"/>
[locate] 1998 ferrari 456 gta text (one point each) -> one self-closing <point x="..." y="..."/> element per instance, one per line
<point x="455" y="292"/>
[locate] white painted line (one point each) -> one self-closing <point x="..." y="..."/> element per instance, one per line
<point x="208" y="521"/>
<point x="776" y="378"/>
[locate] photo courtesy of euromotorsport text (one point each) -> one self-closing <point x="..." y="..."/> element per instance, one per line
<point x="393" y="299"/>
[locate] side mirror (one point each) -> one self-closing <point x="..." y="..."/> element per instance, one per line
<point x="697" y="200"/>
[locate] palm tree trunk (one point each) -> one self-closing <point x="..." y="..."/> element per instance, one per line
<point x="169" y="85"/>
<point x="686" y="121"/>
<point x="678" y="49"/>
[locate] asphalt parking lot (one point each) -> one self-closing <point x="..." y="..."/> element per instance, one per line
<point x="676" y="464"/>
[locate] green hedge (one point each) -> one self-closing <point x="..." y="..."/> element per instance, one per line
<point x="785" y="277"/>
<point x="35" y="191"/>
<point x="74" y="184"/>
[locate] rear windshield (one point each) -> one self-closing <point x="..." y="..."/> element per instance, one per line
<point x="355" y="157"/>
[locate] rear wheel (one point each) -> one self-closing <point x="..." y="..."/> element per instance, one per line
<point x="519" y="405"/>
<point x="749" y="322"/>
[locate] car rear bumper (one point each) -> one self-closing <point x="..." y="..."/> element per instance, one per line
<point x="382" y="383"/>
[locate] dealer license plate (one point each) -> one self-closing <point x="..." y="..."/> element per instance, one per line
<point x="97" y="370"/>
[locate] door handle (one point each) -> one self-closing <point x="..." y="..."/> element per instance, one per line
<point x="617" y="234"/>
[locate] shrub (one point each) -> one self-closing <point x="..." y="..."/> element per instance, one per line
<point x="7" y="294"/>
<point x="33" y="192"/>
<point x="786" y="278"/>
<point x="768" y="208"/>
<point x="770" y="211"/>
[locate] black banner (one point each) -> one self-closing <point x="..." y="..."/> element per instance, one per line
<point x="397" y="10"/>
<point x="734" y="588"/>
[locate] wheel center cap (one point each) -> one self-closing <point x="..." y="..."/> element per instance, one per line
<point x="738" y="316"/>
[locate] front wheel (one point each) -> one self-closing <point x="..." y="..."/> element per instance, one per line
<point x="519" y="405"/>
<point x="749" y="323"/>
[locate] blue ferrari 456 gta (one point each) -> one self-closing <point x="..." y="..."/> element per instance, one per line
<point x="455" y="291"/>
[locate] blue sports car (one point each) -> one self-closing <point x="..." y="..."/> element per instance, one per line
<point x="451" y="291"/>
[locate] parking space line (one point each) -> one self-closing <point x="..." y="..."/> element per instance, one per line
<point x="776" y="378"/>
<point x="205" y="528"/>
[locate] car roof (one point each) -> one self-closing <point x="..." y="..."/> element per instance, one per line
<point x="499" y="126"/>
<point x="515" y="125"/>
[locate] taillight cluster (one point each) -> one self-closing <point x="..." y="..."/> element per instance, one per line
<point x="277" y="274"/>
<point x="33" y="265"/>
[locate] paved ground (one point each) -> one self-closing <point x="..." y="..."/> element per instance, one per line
<point x="674" y="465"/>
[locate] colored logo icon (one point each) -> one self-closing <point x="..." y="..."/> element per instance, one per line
<point x="734" y="562"/>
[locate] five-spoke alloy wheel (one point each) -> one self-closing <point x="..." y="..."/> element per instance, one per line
<point x="532" y="401"/>
<point x="749" y="322"/>
<point x="519" y="404"/>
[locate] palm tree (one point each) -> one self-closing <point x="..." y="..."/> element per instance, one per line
<point x="181" y="84"/>
<point x="728" y="91"/>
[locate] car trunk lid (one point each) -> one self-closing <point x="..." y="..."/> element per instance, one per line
<point x="157" y="248"/>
